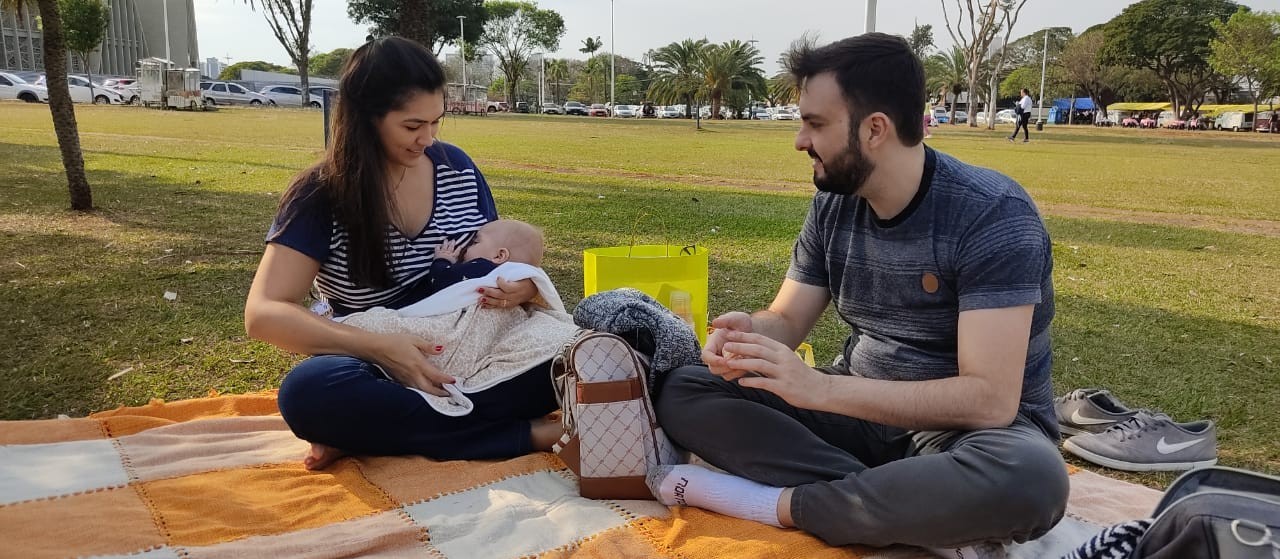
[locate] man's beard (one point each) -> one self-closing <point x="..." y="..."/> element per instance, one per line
<point x="846" y="173"/>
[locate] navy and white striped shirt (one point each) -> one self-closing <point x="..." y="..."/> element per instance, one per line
<point x="463" y="203"/>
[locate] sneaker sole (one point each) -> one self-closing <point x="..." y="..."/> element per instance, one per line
<point x="1072" y="431"/>
<point x="1134" y="466"/>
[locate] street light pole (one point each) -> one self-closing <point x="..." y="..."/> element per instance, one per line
<point x="462" y="55"/>
<point x="613" y="47"/>
<point x="871" y="17"/>
<point x="1044" y="58"/>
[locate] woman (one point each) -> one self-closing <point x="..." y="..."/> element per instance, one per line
<point x="362" y="226"/>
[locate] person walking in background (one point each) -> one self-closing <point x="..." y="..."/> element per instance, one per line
<point x="1024" y="116"/>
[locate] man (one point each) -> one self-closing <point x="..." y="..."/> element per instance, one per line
<point x="1024" y="117"/>
<point x="937" y="428"/>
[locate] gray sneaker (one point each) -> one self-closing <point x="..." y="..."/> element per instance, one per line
<point x="1089" y="410"/>
<point x="1149" y="442"/>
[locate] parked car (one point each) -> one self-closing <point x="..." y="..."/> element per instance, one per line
<point x="962" y="117"/>
<point x="575" y="108"/>
<point x="497" y="106"/>
<point x="227" y="93"/>
<point x="940" y="116"/>
<point x="14" y="87"/>
<point x="291" y="96"/>
<point x="81" y="92"/>
<point x="624" y="111"/>
<point x="119" y="83"/>
<point x="598" y="109"/>
<point x="783" y="113"/>
<point x="1003" y="116"/>
<point x="761" y="114"/>
<point x="522" y="107"/>
<point x="1234" y="121"/>
<point x="669" y="111"/>
<point x="552" y="109"/>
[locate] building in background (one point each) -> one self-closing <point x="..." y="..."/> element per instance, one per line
<point x="211" y="67"/>
<point x="136" y="31"/>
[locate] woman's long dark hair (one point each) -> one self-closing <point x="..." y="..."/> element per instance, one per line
<point x="380" y="77"/>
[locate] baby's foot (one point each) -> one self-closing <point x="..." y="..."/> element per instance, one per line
<point x="319" y="456"/>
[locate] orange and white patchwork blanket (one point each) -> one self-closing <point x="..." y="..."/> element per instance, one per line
<point x="221" y="477"/>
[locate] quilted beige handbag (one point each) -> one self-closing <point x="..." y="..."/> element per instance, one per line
<point x="611" y="435"/>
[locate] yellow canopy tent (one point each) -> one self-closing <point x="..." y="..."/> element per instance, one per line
<point x="1130" y="107"/>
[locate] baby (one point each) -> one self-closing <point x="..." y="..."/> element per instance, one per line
<point x="504" y="240"/>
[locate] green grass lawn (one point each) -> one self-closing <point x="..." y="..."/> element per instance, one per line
<point x="1167" y="246"/>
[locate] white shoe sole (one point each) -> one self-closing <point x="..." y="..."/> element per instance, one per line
<point x="1072" y="431"/>
<point x="1114" y="464"/>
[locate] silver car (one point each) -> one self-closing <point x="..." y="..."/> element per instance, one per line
<point x="227" y="93"/>
<point x="291" y="96"/>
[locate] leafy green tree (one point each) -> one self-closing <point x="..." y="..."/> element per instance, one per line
<point x="53" y="40"/>
<point x="86" y="25"/>
<point x="921" y="40"/>
<point x="433" y="23"/>
<point x="1082" y="66"/>
<point x="329" y="64"/>
<point x="232" y="72"/>
<point x="514" y="31"/>
<point x="1248" y="46"/>
<point x="677" y="73"/>
<point x="1170" y="37"/>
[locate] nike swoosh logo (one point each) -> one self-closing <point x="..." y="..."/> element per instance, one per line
<point x="1082" y="420"/>
<point x="1164" y="447"/>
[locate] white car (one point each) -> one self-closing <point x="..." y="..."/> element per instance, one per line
<point x="624" y="111"/>
<point x="783" y="113"/>
<point x="291" y="96"/>
<point x="81" y="92"/>
<point x="227" y="93"/>
<point x="14" y="87"/>
<point x="669" y="111"/>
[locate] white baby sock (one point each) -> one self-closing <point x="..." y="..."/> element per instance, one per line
<point x="695" y="486"/>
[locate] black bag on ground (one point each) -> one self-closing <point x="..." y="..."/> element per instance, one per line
<point x="1216" y="513"/>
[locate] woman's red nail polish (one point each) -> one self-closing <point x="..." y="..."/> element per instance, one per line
<point x="479" y="290"/>
<point x="439" y="348"/>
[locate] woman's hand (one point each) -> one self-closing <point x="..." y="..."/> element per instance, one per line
<point x="508" y="294"/>
<point x="404" y="357"/>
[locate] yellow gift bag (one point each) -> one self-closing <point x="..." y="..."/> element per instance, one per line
<point x="675" y="276"/>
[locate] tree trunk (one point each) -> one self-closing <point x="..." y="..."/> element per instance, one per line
<point x="968" y="107"/>
<point x="413" y="22"/>
<point x="60" y="107"/>
<point x="991" y="106"/>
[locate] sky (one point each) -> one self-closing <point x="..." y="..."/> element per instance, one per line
<point x="230" y="30"/>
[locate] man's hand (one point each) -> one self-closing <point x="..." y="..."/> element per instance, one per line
<point x="449" y="250"/>
<point x="713" y="352"/>
<point x="780" y="370"/>
<point x="404" y="357"/>
<point x="508" y="294"/>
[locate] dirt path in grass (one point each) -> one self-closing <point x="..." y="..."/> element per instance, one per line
<point x="1212" y="223"/>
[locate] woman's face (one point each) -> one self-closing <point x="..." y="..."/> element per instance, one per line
<point x="407" y="131"/>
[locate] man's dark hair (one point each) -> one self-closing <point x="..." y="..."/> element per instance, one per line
<point x="876" y="73"/>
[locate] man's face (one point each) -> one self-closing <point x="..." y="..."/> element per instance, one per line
<point x="830" y="138"/>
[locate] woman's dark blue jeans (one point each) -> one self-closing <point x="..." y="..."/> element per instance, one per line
<point x="349" y="404"/>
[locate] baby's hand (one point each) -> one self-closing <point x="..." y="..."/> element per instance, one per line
<point x="448" y="250"/>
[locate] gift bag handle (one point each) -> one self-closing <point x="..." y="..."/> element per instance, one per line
<point x="686" y="250"/>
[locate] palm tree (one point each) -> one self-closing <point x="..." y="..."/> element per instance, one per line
<point x="63" y="112"/>
<point x="593" y="78"/>
<point x="557" y="72"/>
<point x="731" y="66"/>
<point x="782" y="86"/>
<point x="676" y="74"/>
<point x="948" y="72"/>
<point x="590" y="45"/>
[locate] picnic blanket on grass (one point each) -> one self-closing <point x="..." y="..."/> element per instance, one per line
<point x="220" y="477"/>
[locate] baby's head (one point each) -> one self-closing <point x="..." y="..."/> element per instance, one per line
<point x="506" y="240"/>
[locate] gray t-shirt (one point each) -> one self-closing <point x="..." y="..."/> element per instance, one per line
<point x="971" y="238"/>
